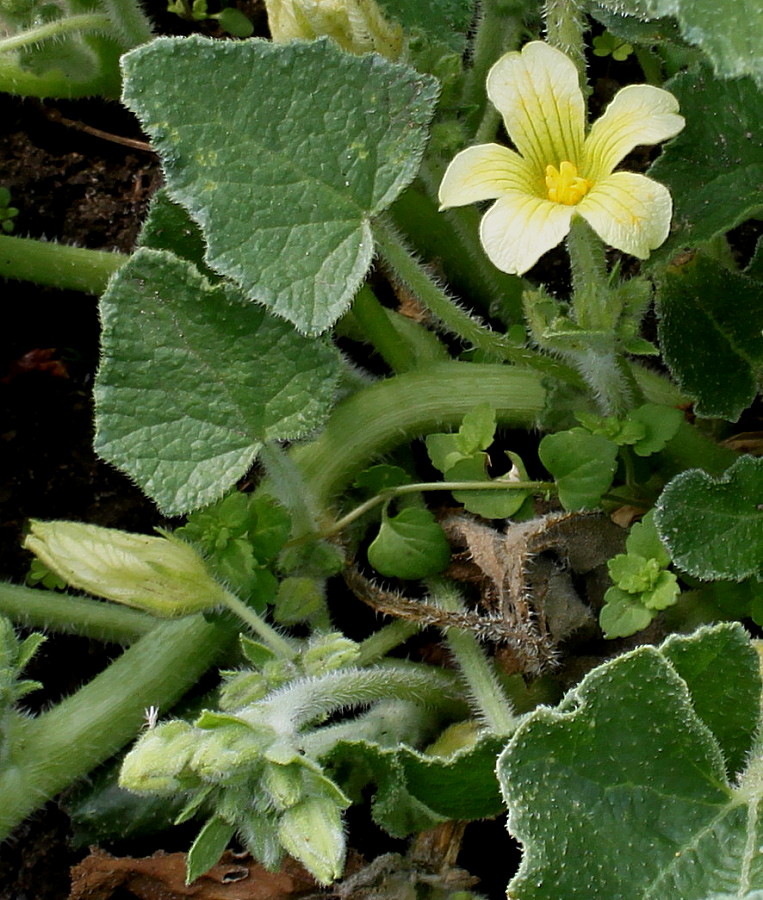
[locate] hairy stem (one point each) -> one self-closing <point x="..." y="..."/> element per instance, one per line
<point x="391" y="412"/>
<point x="57" y="28"/>
<point x="277" y="643"/>
<point x="565" y="26"/>
<point x="57" y="265"/>
<point x="379" y="331"/>
<point x="74" y="615"/>
<point x="452" y="317"/>
<point x="493" y="705"/>
<point x="61" y="745"/>
<point x="304" y="701"/>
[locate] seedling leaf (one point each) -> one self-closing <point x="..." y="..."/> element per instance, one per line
<point x="409" y="545"/>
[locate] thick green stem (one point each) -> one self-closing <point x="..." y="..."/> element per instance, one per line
<point x="74" y="615"/>
<point x="565" y="26"/>
<point x="493" y="705"/>
<point x="455" y="319"/>
<point x="591" y="294"/>
<point x="56" y="29"/>
<point x="452" y="238"/>
<point x="57" y="265"/>
<point x="56" y="748"/>
<point x="498" y="31"/>
<point x="391" y="412"/>
<point x="377" y="328"/>
<point x="388" y="637"/>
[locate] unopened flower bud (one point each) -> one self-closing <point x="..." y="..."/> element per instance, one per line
<point x="161" y="575"/>
<point x="328" y="652"/>
<point x="284" y="784"/>
<point x="312" y="832"/>
<point x="159" y="760"/>
<point x="358" y="26"/>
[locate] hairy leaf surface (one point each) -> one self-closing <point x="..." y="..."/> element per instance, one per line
<point x="282" y="158"/>
<point x="621" y="792"/>
<point x="193" y="380"/>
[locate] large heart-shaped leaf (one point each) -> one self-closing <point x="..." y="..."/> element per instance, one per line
<point x="713" y="528"/>
<point x="194" y="378"/>
<point x="282" y="153"/>
<point x="621" y="793"/>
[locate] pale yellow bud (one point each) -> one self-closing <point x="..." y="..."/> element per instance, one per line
<point x="161" y="575"/>
<point x="358" y="26"/>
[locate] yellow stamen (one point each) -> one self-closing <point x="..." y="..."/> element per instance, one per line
<point x="565" y="185"/>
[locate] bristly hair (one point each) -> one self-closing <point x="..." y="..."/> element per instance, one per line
<point x="534" y="652"/>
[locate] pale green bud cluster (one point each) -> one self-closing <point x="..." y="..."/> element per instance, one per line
<point x="254" y="778"/>
<point x="358" y="26"/>
<point x="161" y="575"/>
<point x="246" y="762"/>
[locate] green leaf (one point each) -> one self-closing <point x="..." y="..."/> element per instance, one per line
<point x="477" y="429"/>
<point x="306" y="143"/>
<point x="443" y="21"/>
<point x="444" y="451"/>
<point x="729" y="31"/>
<point x="622" y="792"/>
<point x="495" y="504"/>
<point x="722" y="671"/>
<point x="379" y="478"/>
<point x="713" y="528"/>
<point x="622" y="432"/>
<point x="710" y="330"/>
<point x="623" y="614"/>
<point x="189" y="389"/>
<point x="660" y="425"/>
<point x="208" y="847"/>
<point x="714" y="167"/>
<point x="644" y="540"/>
<point x="582" y="464"/>
<point x="409" y="545"/>
<point x="169" y="227"/>
<point x="663" y="593"/>
<point x="632" y="573"/>
<point x="415" y="791"/>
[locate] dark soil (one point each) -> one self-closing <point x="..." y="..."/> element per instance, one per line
<point x="88" y="191"/>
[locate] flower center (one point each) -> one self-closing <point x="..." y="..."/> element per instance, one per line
<point x="565" y="185"/>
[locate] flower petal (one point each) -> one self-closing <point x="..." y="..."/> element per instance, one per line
<point x="628" y="211"/>
<point x="483" y="172"/>
<point x="639" y="114"/>
<point x="538" y="94"/>
<point x="519" y="228"/>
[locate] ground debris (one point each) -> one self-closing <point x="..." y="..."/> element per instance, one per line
<point x="162" y="877"/>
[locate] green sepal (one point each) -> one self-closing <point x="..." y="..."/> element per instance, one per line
<point x="209" y="846"/>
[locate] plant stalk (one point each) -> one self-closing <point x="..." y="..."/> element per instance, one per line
<point x="88" y="727"/>
<point x="494" y="706"/>
<point x="74" y="615"/>
<point x="388" y="413"/>
<point x="58" y="265"/>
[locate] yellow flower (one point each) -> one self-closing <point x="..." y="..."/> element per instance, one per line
<point x="161" y="575"/>
<point x="358" y="26"/>
<point x="559" y="171"/>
